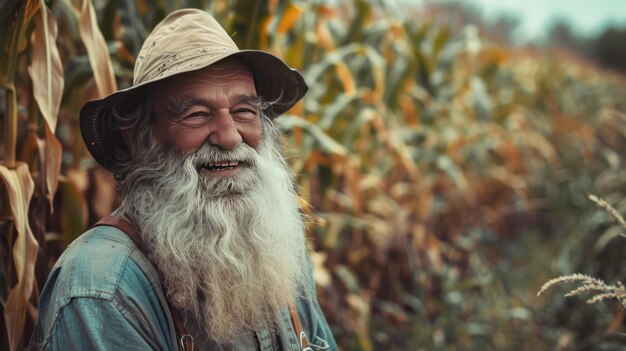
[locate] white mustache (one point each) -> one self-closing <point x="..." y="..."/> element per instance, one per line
<point x="211" y="156"/>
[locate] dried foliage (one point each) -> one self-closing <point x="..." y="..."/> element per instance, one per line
<point x="597" y="287"/>
<point x="444" y="172"/>
<point x="601" y="290"/>
<point x="608" y="208"/>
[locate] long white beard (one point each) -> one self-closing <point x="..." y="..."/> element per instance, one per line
<point x="230" y="252"/>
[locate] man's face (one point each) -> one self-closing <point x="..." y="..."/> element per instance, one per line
<point x="214" y="105"/>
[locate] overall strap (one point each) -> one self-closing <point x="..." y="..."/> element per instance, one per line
<point x="297" y="326"/>
<point x="186" y="340"/>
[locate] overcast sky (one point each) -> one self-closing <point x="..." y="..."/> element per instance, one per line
<point x="586" y="16"/>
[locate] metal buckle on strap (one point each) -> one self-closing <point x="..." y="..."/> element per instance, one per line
<point x="187" y="338"/>
<point x="304" y="342"/>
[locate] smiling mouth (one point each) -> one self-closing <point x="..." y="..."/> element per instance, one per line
<point x="221" y="166"/>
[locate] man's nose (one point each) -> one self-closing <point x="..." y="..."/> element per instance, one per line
<point x="224" y="132"/>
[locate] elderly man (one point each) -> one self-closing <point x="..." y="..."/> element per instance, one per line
<point x="207" y="250"/>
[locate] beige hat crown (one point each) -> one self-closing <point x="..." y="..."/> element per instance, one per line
<point x="167" y="51"/>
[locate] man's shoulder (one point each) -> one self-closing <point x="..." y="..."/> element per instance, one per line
<point x="98" y="262"/>
<point x="102" y="278"/>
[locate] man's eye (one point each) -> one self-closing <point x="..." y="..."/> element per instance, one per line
<point x="195" y="119"/>
<point x="197" y="114"/>
<point x="243" y="109"/>
<point x="246" y="112"/>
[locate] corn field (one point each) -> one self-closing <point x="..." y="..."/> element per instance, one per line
<point x="446" y="176"/>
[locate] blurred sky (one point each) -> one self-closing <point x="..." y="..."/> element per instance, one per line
<point x="586" y="16"/>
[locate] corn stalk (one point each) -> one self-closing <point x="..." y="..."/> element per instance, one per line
<point x="8" y="84"/>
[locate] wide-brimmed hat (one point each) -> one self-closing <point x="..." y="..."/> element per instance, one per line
<point x="187" y="40"/>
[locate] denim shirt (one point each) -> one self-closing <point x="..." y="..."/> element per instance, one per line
<point x="104" y="294"/>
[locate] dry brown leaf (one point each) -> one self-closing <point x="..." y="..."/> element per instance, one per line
<point x="434" y="253"/>
<point x="324" y="37"/>
<point x="289" y="18"/>
<point x="10" y="26"/>
<point x="33" y="153"/>
<point x="346" y="78"/>
<point x="97" y="50"/>
<point x="19" y="186"/>
<point x="52" y="164"/>
<point x="46" y="69"/>
<point x="44" y="155"/>
<point x="32" y="150"/>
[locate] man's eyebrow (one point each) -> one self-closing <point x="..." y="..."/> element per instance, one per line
<point x="249" y="99"/>
<point x="178" y="105"/>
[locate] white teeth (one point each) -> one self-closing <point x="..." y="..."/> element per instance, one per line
<point x="224" y="164"/>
